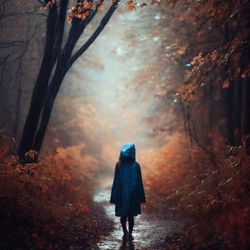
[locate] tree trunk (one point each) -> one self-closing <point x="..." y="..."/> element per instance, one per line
<point x="245" y="93"/>
<point x="56" y="82"/>
<point x="44" y="94"/>
<point x="40" y="89"/>
<point x="63" y="65"/>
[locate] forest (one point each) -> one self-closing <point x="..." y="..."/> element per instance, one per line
<point x="80" y="78"/>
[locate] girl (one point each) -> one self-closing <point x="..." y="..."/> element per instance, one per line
<point x="127" y="190"/>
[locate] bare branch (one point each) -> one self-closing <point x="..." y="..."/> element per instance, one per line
<point x="92" y="38"/>
<point x="15" y="14"/>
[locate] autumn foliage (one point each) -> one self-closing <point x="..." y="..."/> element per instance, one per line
<point x="202" y="176"/>
<point x="212" y="201"/>
<point x="82" y="9"/>
<point x="48" y="205"/>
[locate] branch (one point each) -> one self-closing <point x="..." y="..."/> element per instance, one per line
<point x="43" y="2"/>
<point x="9" y="44"/>
<point x="26" y="13"/>
<point x="210" y="153"/>
<point x="97" y="32"/>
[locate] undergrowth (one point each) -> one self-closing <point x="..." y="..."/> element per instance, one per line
<point x="48" y="205"/>
<point x="213" y="201"/>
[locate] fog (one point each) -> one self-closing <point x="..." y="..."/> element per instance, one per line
<point x="101" y="104"/>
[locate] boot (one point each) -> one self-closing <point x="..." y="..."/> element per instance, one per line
<point x="131" y="226"/>
<point x="124" y="228"/>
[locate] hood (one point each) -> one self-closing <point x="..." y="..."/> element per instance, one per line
<point x="128" y="151"/>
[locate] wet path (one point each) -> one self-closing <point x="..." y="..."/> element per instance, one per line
<point x="148" y="233"/>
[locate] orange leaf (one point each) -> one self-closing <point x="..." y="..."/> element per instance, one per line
<point x="182" y="50"/>
<point x="69" y="19"/>
<point x="131" y="5"/>
<point x="226" y="84"/>
<point x="101" y="7"/>
<point x="87" y="5"/>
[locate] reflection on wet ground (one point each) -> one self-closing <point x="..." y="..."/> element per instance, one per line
<point x="148" y="233"/>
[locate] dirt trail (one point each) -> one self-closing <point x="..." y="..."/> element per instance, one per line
<point x="149" y="233"/>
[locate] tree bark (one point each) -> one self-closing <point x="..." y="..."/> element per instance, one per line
<point x="245" y="93"/>
<point x="63" y="65"/>
<point x="40" y="89"/>
<point x="47" y="87"/>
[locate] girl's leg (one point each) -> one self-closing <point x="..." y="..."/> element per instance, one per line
<point x="130" y="224"/>
<point x="123" y="222"/>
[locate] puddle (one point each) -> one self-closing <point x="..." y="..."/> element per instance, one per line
<point x="146" y="231"/>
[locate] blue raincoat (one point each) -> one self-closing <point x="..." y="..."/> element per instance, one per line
<point x="127" y="190"/>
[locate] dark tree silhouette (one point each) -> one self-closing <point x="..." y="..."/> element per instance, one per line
<point x="221" y="61"/>
<point x="57" y="60"/>
<point x="15" y="43"/>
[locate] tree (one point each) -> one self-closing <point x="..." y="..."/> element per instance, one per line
<point x="20" y="25"/>
<point x="218" y="65"/>
<point x="57" y="60"/>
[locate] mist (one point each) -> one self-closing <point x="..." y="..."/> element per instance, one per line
<point x="101" y="103"/>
